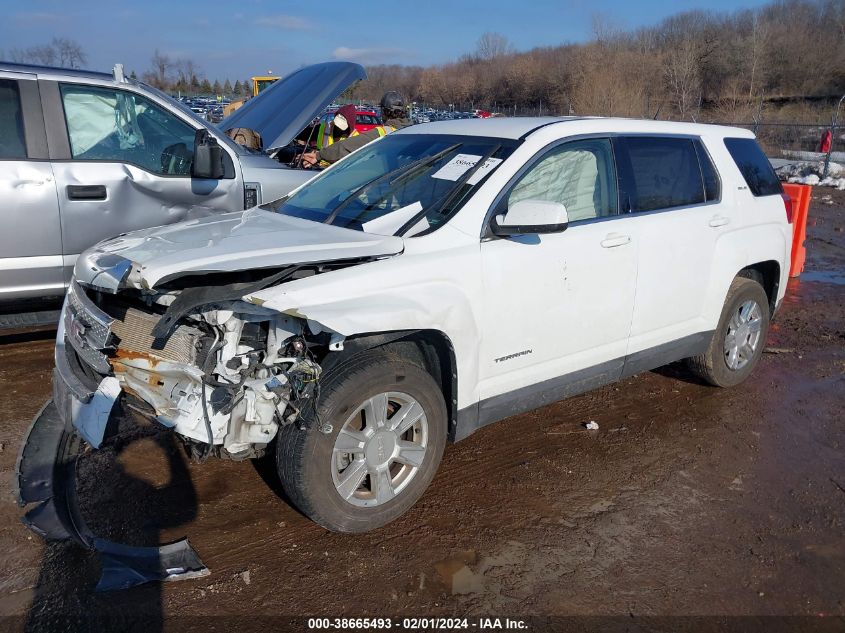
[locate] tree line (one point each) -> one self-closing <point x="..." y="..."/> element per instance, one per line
<point x="698" y="65"/>
<point x="184" y="76"/>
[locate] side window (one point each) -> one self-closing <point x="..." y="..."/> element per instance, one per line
<point x="709" y="175"/>
<point x="106" y="124"/>
<point x="12" y="143"/>
<point x="580" y="175"/>
<point x="755" y="167"/>
<point x="665" y="173"/>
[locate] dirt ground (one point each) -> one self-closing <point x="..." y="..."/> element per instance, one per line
<point x="689" y="500"/>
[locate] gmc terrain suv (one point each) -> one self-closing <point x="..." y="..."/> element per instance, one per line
<point x="439" y="279"/>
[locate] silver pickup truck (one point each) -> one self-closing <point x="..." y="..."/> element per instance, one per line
<point x="86" y="156"/>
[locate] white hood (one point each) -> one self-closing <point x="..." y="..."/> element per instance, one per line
<point x="224" y="243"/>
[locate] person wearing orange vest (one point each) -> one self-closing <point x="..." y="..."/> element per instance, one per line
<point x="395" y="117"/>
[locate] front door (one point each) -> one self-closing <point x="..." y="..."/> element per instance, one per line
<point x="129" y="168"/>
<point x="557" y="307"/>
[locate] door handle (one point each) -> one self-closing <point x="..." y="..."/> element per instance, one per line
<point x="718" y="220"/>
<point x="615" y="239"/>
<point x="86" y="192"/>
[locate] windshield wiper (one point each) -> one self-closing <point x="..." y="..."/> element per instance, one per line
<point x="402" y="172"/>
<point x="450" y="195"/>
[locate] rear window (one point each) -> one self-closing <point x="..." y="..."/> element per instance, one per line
<point x="12" y="144"/>
<point x="755" y="167"/>
<point x="665" y="173"/>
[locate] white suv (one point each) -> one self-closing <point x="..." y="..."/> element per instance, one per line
<point x="442" y="278"/>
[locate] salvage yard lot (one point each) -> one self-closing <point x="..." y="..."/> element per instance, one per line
<point x="687" y="500"/>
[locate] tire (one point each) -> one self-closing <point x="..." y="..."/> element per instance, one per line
<point x="312" y="465"/>
<point x="715" y="364"/>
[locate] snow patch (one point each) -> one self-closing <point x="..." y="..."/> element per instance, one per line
<point x="810" y="173"/>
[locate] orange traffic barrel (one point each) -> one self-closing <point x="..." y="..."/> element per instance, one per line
<point x="800" y="195"/>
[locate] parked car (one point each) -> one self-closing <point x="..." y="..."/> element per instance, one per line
<point x="86" y="155"/>
<point x="442" y="278"/>
<point x="366" y="120"/>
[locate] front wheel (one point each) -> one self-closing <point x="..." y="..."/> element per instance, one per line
<point x="388" y="431"/>
<point x="738" y="341"/>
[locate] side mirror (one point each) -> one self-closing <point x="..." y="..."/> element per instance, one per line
<point x="208" y="157"/>
<point x="529" y="217"/>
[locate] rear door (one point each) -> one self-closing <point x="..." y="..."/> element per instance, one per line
<point x="123" y="162"/>
<point x="676" y="218"/>
<point x="30" y="233"/>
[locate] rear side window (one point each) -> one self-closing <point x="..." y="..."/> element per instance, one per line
<point x="709" y="175"/>
<point x="665" y="173"/>
<point x="12" y="143"/>
<point x="755" y="167"/>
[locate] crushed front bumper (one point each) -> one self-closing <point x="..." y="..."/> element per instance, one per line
<point x="45" y="476"/>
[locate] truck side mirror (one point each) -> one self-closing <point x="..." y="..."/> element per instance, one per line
<point x="208" y="157"/>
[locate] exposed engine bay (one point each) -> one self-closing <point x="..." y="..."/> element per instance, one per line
<point x="226" y="374"/>
<point x="229" y="378"/>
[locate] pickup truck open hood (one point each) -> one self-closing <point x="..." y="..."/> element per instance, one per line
<point x="224" y="243"/>
<point x="283" y="109"/>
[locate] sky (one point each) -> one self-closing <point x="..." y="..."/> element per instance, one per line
<point x="239" y="38"/>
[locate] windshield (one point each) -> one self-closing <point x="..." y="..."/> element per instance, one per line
<point x="404" y="184"/>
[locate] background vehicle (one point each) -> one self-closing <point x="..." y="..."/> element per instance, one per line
<point x="86" y="155"/>
<point x="366" y="120"/>
<point x="478" y="269"/>
<point x="262" y="82"/>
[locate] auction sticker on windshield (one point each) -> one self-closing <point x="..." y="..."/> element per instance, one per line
<point x="459" y="165"/>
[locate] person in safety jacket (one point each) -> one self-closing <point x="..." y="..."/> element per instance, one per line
<point x="338" y="128"/>
<point x="395" y="117"/>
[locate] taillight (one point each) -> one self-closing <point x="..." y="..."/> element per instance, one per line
<point x="787" y="205"/>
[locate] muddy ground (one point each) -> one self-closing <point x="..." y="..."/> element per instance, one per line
<point x="688" y="500"/>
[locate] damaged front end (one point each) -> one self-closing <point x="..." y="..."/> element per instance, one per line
<point x="224" y="374"/>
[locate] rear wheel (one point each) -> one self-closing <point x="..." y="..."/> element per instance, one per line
<point x="738" y="341"/>
<point x="388" y="431"/>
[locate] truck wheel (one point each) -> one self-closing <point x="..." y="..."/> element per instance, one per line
<point x="738" y="341"/>
<point x="388" y="431"/>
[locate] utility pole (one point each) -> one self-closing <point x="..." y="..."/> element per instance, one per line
<point x="832" y="138"/>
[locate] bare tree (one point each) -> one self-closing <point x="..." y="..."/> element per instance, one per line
<point x="69" y="53"/>
<point x="186" y="70"/>
<point x="756" y="50"/>
<point x="44" y="54"/>
<point x="682" y="75"/>
<point x="492" y="45"/>
<point x="59" y="52"/>
<point x="161" y="66"/>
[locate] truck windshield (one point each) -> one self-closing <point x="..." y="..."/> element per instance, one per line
<point x="403" y="184"/>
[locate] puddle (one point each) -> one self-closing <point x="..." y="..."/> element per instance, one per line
<point x="829" y="277"/>
<point x="457" y="576"/>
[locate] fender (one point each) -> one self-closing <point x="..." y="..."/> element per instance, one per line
<point x="737" y="250"/>
<point x="407" y="292"/>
